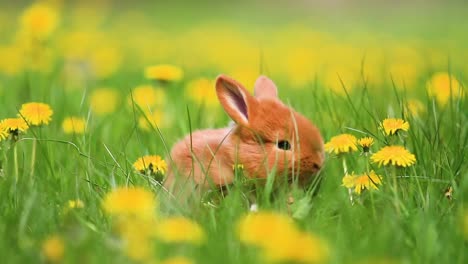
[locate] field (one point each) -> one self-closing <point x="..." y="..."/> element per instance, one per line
<point x="93" y="95"/>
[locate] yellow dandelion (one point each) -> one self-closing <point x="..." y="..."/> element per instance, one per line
<point x="147" y="97"/>
<point x="153" y="163"/>
<point x="75" y="204"/>
<point x="53" y="248"/>
<point x="362" y="182"/>
<point x="104" y="101"/>
<point x="395" y="155"/>
<point x="13" y="60"/>
<point x="341" y="144"/>
<point x="258" y="228"/>
<point x="348" y="181"/>
<point x="366" y="143"/>
<point x="3" y="132"/>
<point x="74" y="125"/>
<point x="139" y="249"/>
<point x="297" y="247"/>
<point x="13" y="126"/>
<point x="137" y="235"/>
<point x="180" y="230"/>
<point x="105" y="61"/>
<point x="367" y="181"/>
<point x="202" y="91"/>
<point x="392" y="125"/>
<point x="154" y="119"/>
<point x="177" y="260"/>
<point x="131" y="201"/>
<point x="164" y="72"/>
<point x="39" y="20"/>
<point x="279" y="239"/>
<point x="36" y="113"/>
<point x="444" y="86"/>
<point x="135" y="227"/>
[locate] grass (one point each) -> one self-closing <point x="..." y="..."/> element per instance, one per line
<point x="88" y="166"/>
<point x="411" y="221"/>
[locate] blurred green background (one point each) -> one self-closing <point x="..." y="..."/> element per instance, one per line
<point x="133" y="73"/>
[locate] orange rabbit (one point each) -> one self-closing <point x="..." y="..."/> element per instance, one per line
<point x="266" y="134"/>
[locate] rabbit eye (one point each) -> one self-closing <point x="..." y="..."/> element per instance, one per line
<point x="283" y="144"/>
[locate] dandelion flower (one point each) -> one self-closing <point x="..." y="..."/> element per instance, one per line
<point x="367" y="181"/>
<point x="139" y="249"/>
<point x="131" y="201"/>
<point x="180" y="230"/>
<point x="279" y="239"/>
<point x="256" y="228"/>
<point x="297" y="247"/>
<point x="202" y="91"/>
<point x="137" y="235"/>
<point x="392" y="125"/>
<point x="443" y="86"/>
<point x="103" y="101"/>
<point x="39" y="20"/>
<point x="13" y="126"/>
<point x="53" y="248"/>
<point x="154" y="119"/>
<point x="395" y="155"/>
<point x="13" y="61"/>
<point x="362" y="182"/>
<point x="164" y="72"/>
<point x="134" y="213"/>
<point x="341" y="144"/>
<point x="3" y="132"/>
<point x="105" y="61"/>
<point x="75" y="204"/>
<point x="36" y="113"/>
<point x="74" y="125"/>
<point x="147" y="97"/>
<point x="154" y="163"/>
<point x="348" y="181"/>
<point x="366" y="143"/>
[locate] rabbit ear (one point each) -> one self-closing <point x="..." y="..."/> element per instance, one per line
<point x="264" y="87"/>
<point x="235" y="99"/>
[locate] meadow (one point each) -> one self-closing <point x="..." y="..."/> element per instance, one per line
<point x="93" y="94"/>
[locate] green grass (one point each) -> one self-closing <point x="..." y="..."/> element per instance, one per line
<point x="428" y="230"/>
<point x="414" y="224"/>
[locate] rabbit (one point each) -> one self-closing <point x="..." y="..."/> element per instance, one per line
<point x="266" y="134"/>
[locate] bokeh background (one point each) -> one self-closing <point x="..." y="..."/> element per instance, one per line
<point x="128" y="78"/>
<point x="330" y="47"/>
<point x="297" y="42"/>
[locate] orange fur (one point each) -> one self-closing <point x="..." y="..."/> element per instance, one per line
<point x="261" y="121"/>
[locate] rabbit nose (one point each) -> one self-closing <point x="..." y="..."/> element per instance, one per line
<point x="316" y="166"/>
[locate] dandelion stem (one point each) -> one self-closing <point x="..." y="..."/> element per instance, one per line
<point x="33" y="157"/>
<point x="371" y="193"/>
<point x="395" y="191"/>
<point x="345" y="170"/>
<point x="15" y="160"/>
<point x="345" y="167"/>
